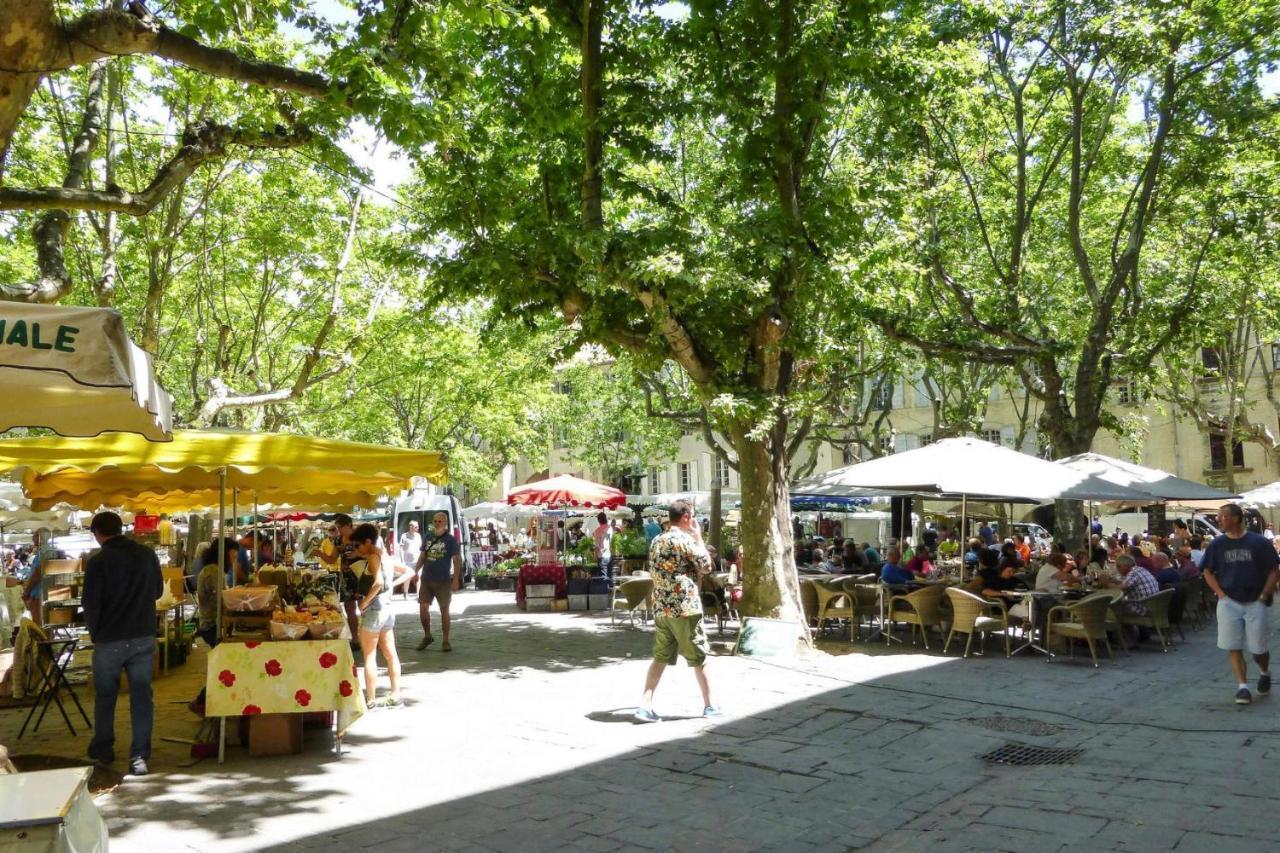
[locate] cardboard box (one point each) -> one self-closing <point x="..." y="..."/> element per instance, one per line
<point x="599" y="602"/>
<point x="540" y="590"/>
<point x="579" y="602"/>
<point x="538" y="605"/>
<point x="560" y="604"/>
<point x="275" y="734"/>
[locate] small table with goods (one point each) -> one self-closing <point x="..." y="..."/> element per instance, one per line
<point x="296" y="661"/>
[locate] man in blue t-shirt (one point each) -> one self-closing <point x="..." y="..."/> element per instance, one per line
<point x="1242" y="569"/>
<point x="893" y="572"/>
<point x="441" y="560"/>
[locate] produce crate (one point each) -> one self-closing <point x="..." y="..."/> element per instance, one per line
<point x="540" y="590"/>
<point x="579" y="602"/>
<point x="560" y="604"/>
<point x="599" y="602"/>
<point x="539" y="605"/>
<point x="599" y="586"/>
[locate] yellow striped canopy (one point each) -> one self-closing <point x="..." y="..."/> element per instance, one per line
<point x="113" y="469"/>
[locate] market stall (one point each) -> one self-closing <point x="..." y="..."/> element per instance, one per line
<point x="205" y="468"/>
<point x="543" y="582"/>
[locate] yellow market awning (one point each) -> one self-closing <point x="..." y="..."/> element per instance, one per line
<point x="278" y="467"/>
<point x="154" y="502"/>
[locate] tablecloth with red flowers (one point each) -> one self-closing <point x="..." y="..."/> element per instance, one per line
<point x="283" y="677"/>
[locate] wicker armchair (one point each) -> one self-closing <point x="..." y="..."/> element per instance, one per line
<point x="1195" y="609"/>
<point x="630" y="596"/>
<point x="1085" y="619"/>
<point x="919" y="609"/>
<point x="833" y="602"/>
<point x="864" y="598"/>
<point x="808" y="600"/>
<point x="1156" y="617"/>
<point x="973" y="614"/>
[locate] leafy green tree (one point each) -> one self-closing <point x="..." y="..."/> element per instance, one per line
<point x="676" y="187"/>
<point x="1064" y="195"/>
<point x="602" y="421"/>
<point x="444" y="379"/>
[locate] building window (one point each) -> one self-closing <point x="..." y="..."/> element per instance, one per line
<point x="686" y="477"/>
<point x="881" y="396"/>
<point x="926" y="439"/>
<point x="1211" y="362"/>
<point x="655" y="483"/>
<point x="991" y="435"/>
<point x="1127" y="393"/>
<point x="1275" y="356"/>
<point x="722" y="471"/>
<point x="1218" y="453"/>
<point x="886" y="444"/>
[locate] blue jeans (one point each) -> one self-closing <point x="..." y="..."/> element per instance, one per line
<point x="137" y="658"/>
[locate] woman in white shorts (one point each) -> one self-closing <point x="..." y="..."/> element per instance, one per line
<point x="376" y="619"/>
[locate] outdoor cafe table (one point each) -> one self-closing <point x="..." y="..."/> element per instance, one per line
<point x="284" y="677"/>
<point x="1031" y="596"/>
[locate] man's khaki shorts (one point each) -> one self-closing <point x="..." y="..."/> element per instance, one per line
<point x="681" y="635"/>
<point x="440" y="591"/>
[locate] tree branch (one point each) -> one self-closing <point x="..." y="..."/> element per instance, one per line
<point x="201" y="143"/>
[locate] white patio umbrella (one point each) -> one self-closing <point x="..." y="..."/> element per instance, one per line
<point x="74" y="371"/>
<point x="968" y="467"/>
<point x="1162" y="484"/>
<point x="1263" y="496"/>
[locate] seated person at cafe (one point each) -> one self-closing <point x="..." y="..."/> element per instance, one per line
<point x="949" y="546"/>
<point x="893" y="572"/>
<point x="854" y="559"/>
<point x="1197" y="549"/>
<point x="1140" y="558"/>
<point x="1137" y="583"/>
<point x="872" y="555"/>
<point x="1009" y="557"/>
<point x="1186" y="564"/>
<point x="1020" y="545"/>
<point x="971" y="553"/>
<point x="920" y="564"/>
<point x="997" y="578"/>
<point x="1054" y="574"/>
<point x="1166" y="573"/>
<point x="1097" y="561"/>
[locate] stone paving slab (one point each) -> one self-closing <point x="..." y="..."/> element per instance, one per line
<point x="521" y="739"/>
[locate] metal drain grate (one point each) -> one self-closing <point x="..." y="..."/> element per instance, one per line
<point x="1022" y="755"/>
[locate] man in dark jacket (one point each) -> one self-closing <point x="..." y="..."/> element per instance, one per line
<point x="121" y="584"/>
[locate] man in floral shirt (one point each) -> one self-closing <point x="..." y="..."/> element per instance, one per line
<point x="677" y="559"/>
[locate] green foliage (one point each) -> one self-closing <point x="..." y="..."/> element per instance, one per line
<point x="599" y="416"/>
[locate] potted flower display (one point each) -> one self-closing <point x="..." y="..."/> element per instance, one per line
<point x="633" y="547"/>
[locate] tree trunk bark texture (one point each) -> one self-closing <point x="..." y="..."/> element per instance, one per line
<point x="770" y="585"/>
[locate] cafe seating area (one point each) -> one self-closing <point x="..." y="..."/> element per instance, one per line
<point x="933" y="614"/>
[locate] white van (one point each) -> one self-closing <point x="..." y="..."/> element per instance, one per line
<point x="420" y="506"/>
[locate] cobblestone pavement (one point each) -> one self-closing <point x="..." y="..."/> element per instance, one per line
<point x="522" y="739"/>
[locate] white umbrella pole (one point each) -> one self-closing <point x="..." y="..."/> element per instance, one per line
<point x="222" y="579"/>
<point x="964" y="531"/>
